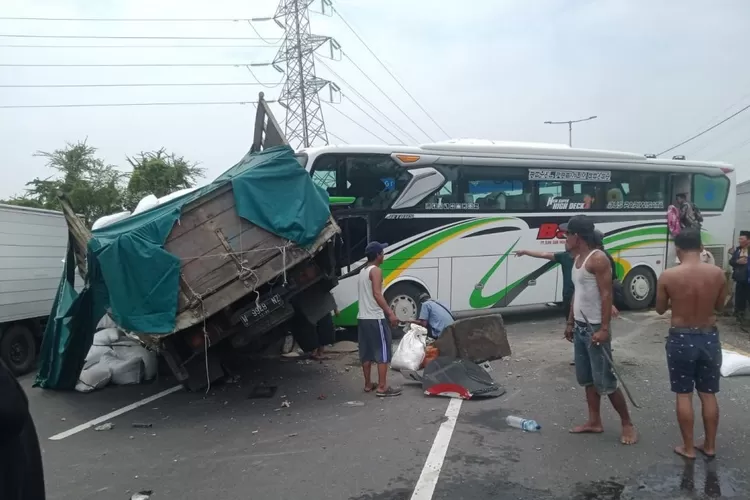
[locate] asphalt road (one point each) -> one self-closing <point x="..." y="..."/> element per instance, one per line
<point x="226" y="445"/>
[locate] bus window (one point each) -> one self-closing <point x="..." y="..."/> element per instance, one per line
<point x="325" y="174"/>
<point x="375" y="181"/>
<point x="640" y="191"/>
<point x="562" y="195"/>
<point x="710" y="193"/>
<point x="492" y="188"/>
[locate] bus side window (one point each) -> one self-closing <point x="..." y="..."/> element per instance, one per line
<point x="496" y="189"/>
<point x="566" y="195"/>
<point x="710" y="193"/>
<point x="374" y="180"/>
<point x="638" y="191"/>
<point x="325" y="174"/>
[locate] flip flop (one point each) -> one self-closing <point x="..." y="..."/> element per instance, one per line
<point x="703" y="452"/>
<point x="371" y="388"/>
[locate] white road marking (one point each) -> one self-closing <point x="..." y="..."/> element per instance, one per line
<point x="116" y="413"/>
<point x="431" y="471"/>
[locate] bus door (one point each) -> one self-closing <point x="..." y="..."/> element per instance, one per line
<point x="676" y="184"/>
<point x="350" y="249"/>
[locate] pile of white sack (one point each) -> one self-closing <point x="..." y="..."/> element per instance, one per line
<point x="115" y="357"/>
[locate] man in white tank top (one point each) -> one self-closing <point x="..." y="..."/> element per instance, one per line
<point x="374" y="331"/>
<point x="592" y="278"/>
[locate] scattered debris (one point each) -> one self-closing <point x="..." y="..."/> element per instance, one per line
<point x="285" y="404"/>
<point x="321" y="397"/>
<point x="63" y="419"/>
<point x="232" y="380"/>
<point x="254" y="432"/>
<point x="293" y="434"/>
<point x="141" y="495"/>
<point x="353" y="403"/>
<point x="140" y="425"/>
<point x="262" y="391"/>
<point x="105" y="427"/>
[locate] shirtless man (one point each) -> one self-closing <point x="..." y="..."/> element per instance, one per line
<point x="592" y="278"/>
<point x="695" y="291"/>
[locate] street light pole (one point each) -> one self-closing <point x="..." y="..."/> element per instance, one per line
<point x="570" y="126"/>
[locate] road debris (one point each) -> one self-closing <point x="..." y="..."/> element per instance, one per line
<point x="353" y="403"/>
<point x="293" y="434"/>
<point x="105" y="427"/>
<point x="141" y="425"/>
<point x="322" y="397"/>
<point x="262" y="391"/>
<point x="285" y="404"/>
<point x="142" y="495"/>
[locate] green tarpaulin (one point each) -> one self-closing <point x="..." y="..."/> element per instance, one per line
<point x="132" y="274"/>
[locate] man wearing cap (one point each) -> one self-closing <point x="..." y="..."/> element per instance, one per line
<point x="433" y="315"/>
<point x="374" y="330"/>
<point x="592" y="301"/>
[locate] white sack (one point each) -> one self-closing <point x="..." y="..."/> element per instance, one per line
<point x="93" y="377"/>
<point x="734" y="364"/>
<point x="146" y="203"/>
<point x="411" y="350"/>
<point x="127" y="349"/>
<point x="110" y="219"/>
<point x="106" y="322"/>
<point x="124" y="371"/>
<point x="176" y="194"/>
<point x="103" y="341"/>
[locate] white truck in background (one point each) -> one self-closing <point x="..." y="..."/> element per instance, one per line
<point x="33" y="244"/>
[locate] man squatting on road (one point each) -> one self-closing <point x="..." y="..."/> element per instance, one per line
<point x="592" y="278"/>
<point x="374" y="331"/>
<point x="695" y="290"/>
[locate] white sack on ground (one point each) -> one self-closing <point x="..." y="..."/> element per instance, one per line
<point x="124" y="371"/>
<point x="127" y="349"/>
<point x="106" y="322"/>
<point x="93" y="377"/>
<point x="103" y="341"/>
<point x="734" y="364"/>
<point x="411" y="350"/>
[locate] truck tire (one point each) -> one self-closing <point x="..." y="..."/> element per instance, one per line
<point x="403" y="299"/>
<point x="18" y="349"/>
<point x="639" y="288"/>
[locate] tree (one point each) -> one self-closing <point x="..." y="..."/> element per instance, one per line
<point x="159" y="173"/>
<point x="92" y="186"/>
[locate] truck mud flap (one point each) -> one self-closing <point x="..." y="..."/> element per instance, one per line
<point x="477" y="339"/>
<point x="193" y="374"/>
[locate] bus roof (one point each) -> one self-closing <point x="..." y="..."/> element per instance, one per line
<point x="488" y="148"/>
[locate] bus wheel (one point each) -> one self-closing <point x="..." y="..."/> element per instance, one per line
<point x="639" y="288"/>
<point x="18" y="349"/>
<point x="403" y="298"/>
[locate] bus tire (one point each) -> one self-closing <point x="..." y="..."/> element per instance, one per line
<point x="639" y="288"/>
<point x="403" y="299"/>
<point x="18" y="348"/>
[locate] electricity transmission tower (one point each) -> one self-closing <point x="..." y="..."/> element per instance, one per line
<point x="305" y="125"/>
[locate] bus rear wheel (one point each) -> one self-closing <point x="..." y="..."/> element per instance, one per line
<point x="639" y="288"/>
<point x="403" y="299"/>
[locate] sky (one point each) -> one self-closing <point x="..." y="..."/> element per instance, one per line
<point x="654" y="72"/>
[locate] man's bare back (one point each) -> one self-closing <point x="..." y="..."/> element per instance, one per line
<point x="696" y="291"/>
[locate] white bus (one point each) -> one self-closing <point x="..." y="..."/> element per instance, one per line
<point x="455" y="212"/>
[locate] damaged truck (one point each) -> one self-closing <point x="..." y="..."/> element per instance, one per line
<point x="226" y="266"/>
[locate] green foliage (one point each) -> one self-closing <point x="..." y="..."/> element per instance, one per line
<point x="95" y="188"/>
<point x="158" y="173"/>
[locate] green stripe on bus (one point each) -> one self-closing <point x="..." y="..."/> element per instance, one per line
<point x="341" y="200"/>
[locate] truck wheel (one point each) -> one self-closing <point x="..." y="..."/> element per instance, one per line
<point x="18" y="349"/>
<point x="403" y="298"/>
<point x="639" y="288"/>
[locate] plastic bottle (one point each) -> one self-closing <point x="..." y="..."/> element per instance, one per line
<point x="523" y="423"/>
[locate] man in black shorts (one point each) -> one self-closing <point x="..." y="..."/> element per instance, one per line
<point x="695" y="291"/>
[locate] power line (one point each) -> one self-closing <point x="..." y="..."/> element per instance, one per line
<point x="387" y="97"/>
<point x="732" y="149"/>
<point x="377" y="109"/>
<point x="337" y="137"/>
<point x="114" y="37"/>
<point x="359" y="124"/>
<point x="125" y="20"/>
<point x="135" y="46"/>
<point x="97" y="85"/>
<point x="705" y="131"/>
<point x="257" y="80"/>
<point x="389" y="72"/>
<point x="123" y="104"/>
<point x="128" y="65"/>
<point x="373" y="119"/>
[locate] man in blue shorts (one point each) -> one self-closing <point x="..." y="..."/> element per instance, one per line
<point x="695" y="291"/>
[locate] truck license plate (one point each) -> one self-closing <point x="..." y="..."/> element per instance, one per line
<point x="262" y="310"/>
